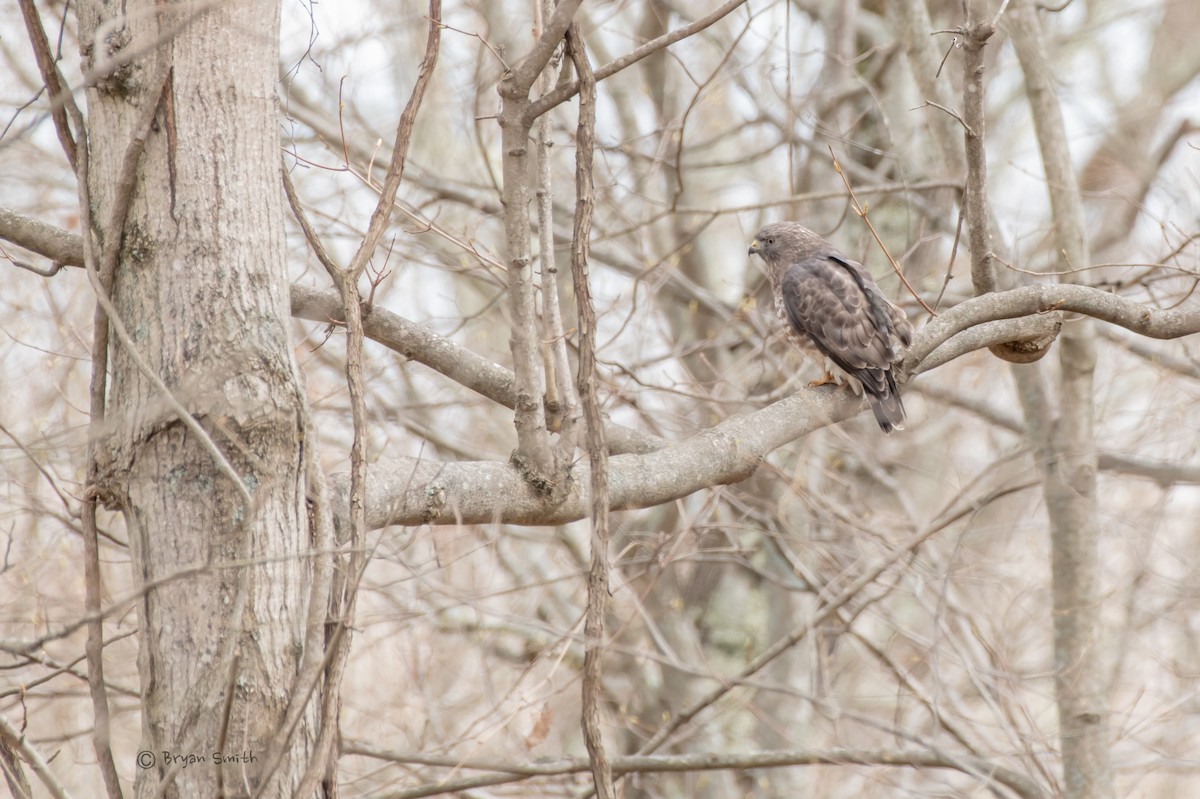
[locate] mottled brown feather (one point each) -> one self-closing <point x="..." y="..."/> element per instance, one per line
<point x="831" y="307"/>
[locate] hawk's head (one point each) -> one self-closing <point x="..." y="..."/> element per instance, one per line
<point x="784" y="242"/>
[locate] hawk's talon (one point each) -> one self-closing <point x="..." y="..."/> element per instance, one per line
<point x="823" y="380"/>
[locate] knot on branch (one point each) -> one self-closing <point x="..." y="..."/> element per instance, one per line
<point x="435" y="502"/>
<point x="1027" y="350"/>
<point x="552" y="484"/>
<point x="976" y="35"/>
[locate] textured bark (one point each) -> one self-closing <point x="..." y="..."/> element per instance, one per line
<point x="979" y="234"/>
<point x="1068" y="456"/>
<point x="534" y="453"/>
<point x="201" y="287"/>
<point x="597" y="582"/>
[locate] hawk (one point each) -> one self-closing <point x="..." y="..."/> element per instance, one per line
<point x="832" y="308"/>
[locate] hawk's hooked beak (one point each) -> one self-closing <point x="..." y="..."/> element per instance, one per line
<point x="753" y="247"/>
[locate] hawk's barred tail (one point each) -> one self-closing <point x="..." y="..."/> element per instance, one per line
<point x="889" y="410"/>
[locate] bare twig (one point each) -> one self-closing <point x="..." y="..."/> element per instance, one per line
<point x="310" y="235"/>
<point x="16" y="741"/>
<point x="950" y="112"/>
<point x="979" y="234"/>
<point x="505" y="773"/>
<point x="484" y="41"/>
<point x="597" y="583"/>
<point x="53" y="269"/>
<point x="52" y="78"/>
<point x="562" y="406"/>
<point x="404" y="128"/>
<point x="562" y="94"/>
<point x="345" y="586"/>
<point x="862" y="214"/>
<point x="534" y="455"/>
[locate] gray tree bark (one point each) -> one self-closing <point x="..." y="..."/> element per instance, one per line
<point x="228" y="656"/>
<point x="1067" y="456"/>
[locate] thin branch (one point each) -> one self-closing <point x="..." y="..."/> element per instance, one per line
<point x="562" y="94"/>
<point x="310" y="235"/>
<point x="17" y="742"/>
<point x="950" y="112"/>
<point x="980" y="768"/>
<point x="975" y="35"/>
<point x="534" y="455"/>
<point x="862" y="214"/>
<point x="53" y="269"/>
<point x="404" y="128"/>
<point x="979" y="233"/>
<point x="14" y="775"/>
<point x="562" y="405"/>
<point x="817" y="196"/>
<point x="519" y="80"/>
<point x="913" y="25"/>
<point x="345" y="586"/>
<point x="52" y="78"/>
<point x="597" y="582"/>
<point x="482" y="40"/>
<point x="1011" y="333"/>
<point x="226" y="713"/>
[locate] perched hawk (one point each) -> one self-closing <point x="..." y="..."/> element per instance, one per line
<point x="830" y="306"/>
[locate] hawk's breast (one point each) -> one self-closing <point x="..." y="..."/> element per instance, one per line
<point x="805" y="343"/>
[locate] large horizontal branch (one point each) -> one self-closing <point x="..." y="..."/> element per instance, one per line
<point x="1011" y="332"/>
<point x="463" y="366"/>
<point x="649" y="470"/>
<point x="504" y="772"/>
<point x="1030" y="300"/>
<point x="413" y="341"/>
<point x="410" y="491"/>
<point x="60" y="246"/>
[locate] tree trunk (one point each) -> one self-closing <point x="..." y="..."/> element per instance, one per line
<point x="201" y="288"/>
<point x="1066" y="445"/>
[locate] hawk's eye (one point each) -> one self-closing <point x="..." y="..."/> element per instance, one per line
<point x="770" y="241"/>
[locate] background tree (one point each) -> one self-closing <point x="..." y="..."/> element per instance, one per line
<point x="996" y="599"/>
